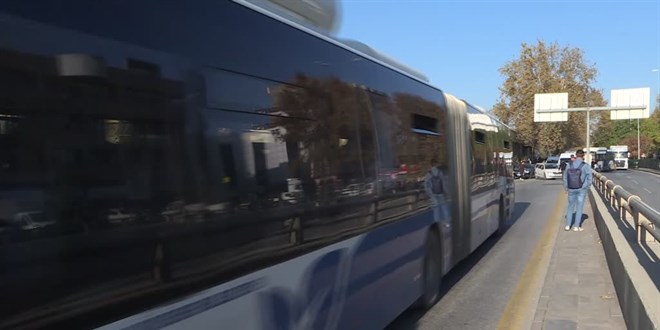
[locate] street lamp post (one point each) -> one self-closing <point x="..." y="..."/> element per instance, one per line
<point x="639" y="151"/>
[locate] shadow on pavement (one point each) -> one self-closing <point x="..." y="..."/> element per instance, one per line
<point x="408" y="319"/>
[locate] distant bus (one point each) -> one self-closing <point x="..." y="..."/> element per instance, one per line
<point x="261" y="165"/>
<point x="603" y="158"/>
<point x="620" y="156"/>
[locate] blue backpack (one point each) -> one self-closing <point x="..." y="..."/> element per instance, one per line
<point x="436" y="184"/>
<point x="574" y="176"/>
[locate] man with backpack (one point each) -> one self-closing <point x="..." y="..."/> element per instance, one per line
<point x="434" y="185"/>
<point x="577" y="178"/>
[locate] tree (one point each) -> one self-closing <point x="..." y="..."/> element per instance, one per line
<point x="543" y="68"/>
<point x="651" y="129"/>
<point x="332" y="126"/>
<point x="624" y="132"/>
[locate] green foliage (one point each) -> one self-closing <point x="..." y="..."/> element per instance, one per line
<point x="543" y="68"/>
<point x="624" y="132"/>
<point x="650" y="128"/>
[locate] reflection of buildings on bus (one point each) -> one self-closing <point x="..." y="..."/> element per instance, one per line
<point x="255" y="161"/>
<point x="283" y="147"/>
<point x="73" y="118"/>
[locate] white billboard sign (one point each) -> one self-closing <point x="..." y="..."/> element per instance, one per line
<point x="550" y="101"/>
<point x="630" y="97"/>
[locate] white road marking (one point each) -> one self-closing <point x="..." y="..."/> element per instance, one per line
<point x="648" y="191"/>
<point x="635" y="182"/>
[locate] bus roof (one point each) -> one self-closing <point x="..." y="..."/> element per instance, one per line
<point x="338" y="42"/>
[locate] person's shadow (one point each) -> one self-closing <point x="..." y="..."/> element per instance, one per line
<point x="584" y="218"/>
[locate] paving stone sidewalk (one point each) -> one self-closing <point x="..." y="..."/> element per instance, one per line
<point x="578" y="292"/>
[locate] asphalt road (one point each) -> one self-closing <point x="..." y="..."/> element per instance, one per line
<point x="643" y="184"/>
<point x="477" y="290"/>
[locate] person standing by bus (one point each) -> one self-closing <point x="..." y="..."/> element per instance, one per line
<point x="434" y="185"/>
<point x="577" y="178"/>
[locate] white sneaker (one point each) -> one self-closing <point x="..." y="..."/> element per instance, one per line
<point x="578" y="229"/>
<point x="567" y="228"/>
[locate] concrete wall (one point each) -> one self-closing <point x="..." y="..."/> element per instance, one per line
<point x="634" y="267"/>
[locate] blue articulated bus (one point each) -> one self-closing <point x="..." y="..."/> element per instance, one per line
<point x="198" y="164"/>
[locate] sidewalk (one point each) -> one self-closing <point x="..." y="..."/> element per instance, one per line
<point x="578" y="292"/>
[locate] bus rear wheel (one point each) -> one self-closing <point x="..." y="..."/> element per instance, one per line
<point x="431" y="273"/>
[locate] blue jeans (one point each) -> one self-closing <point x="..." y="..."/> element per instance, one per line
<point x="439" y="207"/>
<point x="575" y="202"/>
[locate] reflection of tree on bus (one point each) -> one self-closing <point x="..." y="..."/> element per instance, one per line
<point x="335" y="126"/>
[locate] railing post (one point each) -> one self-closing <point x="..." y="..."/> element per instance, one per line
<point x="623" y="208"/>
<point x="161" y="269"/>
<point x="296" y="231"/>
<point x="373" y="210"/>
<point x="411" y="202"/>
<point x="617" y="198"/>
<point x="641" y="233"/>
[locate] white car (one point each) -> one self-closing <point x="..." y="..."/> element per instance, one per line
<point x="32" y="220"/>
<point x="119" y="216"/>
<point x="548" y="171"/>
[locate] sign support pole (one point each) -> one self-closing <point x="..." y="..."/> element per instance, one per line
<point x="588" y="151"/>
<point x="639" y="149"/>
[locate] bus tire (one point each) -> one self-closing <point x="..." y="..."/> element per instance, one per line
<point x="431" y="273"/>
<point x="501" y="218"/>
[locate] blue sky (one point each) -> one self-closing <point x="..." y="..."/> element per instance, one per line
<point x="460" y="45"/>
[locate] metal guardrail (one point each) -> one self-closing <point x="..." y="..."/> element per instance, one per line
<point x="646" y="219"/>
<point x="648" y="163"/>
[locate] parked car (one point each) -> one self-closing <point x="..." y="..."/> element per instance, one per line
<point x="528" y="171"/>
<point x="548" y="171"/>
